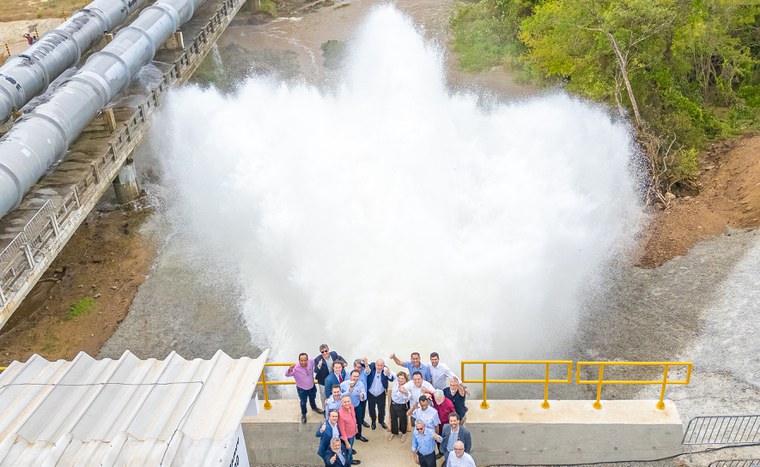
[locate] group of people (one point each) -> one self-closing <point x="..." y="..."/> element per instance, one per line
<point x="427" y="400"/>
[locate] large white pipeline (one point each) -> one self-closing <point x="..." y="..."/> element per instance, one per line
<point x="43" y="136"/>
<point x="26" y="75"/>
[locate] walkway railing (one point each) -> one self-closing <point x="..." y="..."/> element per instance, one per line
<point x="548" y="366"/>
<point x="264" y="383"/>
<point x="545" y="381"/>
<point x="32" y="248"/>
<point x="664" y="382"/>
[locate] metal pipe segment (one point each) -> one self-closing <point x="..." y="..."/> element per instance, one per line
<point x="26" y="75"/>
<point x="43" y="136"/>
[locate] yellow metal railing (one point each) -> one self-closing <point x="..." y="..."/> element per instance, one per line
<point x="264" y="383"/>
<point x="546" y="381"/>
<point x="600" y="381"/>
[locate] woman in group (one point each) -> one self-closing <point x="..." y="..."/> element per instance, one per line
<point x="399" y="406"/>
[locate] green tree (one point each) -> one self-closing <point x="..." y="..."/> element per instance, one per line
<point x="664" y="62"/>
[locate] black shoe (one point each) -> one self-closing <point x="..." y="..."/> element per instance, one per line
<point x="318" y="410"/>
<point x="439" y="455"/>
<point x="353" y="451"/>
<point x="303" y="418"/>
<point x="362" y="439"/>
<point x="382" y="424"/>
<point x="374" y="425"/>
<point x="365" y="424"/>
<point x="355" y="462"/>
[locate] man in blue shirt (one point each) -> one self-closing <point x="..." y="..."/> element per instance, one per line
<point x="355" y="389"/>
<point x="423" y="445"/>
<point x="333" y="403"/>
<point x="415" y="364"/>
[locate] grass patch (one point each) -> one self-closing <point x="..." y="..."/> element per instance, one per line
<point x="80" y="307"/>
<point x="37" y="9"/>
<point x="268" y="6"/>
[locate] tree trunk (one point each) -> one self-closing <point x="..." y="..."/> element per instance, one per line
<point x="624" y="74"/>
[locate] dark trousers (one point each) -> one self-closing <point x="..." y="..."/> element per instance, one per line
<point x="428" y="460"/>
<point x="376" y="407"/>
<point x="398" y="417"/>
<point x="303" y="394"/>
<point x="359" y="411"/>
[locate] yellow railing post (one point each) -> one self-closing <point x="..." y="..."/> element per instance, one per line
<point x="545" y="405"/>
<point x="267" y="404"/>
<point x="661" y="403"/>
<point x="597" y="404"/>
<point x="484" y="404"/>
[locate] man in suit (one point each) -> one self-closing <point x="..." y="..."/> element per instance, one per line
<point x="377" y="386"/>
<point x="338" y="456"/>
<point x="326" y="432"/>
<point x="452" y="433"/>
<point x="322" y="367"/>
<point x="337" y="376"/>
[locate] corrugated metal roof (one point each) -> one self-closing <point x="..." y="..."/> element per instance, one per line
<point x="123" y="412"/>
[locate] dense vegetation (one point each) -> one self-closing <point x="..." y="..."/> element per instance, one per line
<point x="684" y="72"/>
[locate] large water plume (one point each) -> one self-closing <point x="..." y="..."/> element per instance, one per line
<point x="391" y="214"/>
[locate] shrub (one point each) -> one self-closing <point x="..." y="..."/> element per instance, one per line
<point x="81" y="307"/>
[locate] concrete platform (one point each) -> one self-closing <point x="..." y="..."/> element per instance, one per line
<point x="510" y="431"/>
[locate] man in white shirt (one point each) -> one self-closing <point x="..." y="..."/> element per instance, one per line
<point x="440" y="372"/>
<point x="460" y="458"/>
<point x="418" y="387"/>
<point x="423" y="412"/>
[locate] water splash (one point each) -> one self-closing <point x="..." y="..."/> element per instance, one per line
<point x="390" y="215"/>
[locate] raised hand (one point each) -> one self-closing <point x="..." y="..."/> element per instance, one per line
<point x="324" y="426"/>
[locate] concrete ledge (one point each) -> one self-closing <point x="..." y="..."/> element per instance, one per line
<point x="509" y="432"/>
<point x="521" y="432"/>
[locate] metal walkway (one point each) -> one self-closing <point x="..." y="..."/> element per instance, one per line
<point x="32" y="235"/>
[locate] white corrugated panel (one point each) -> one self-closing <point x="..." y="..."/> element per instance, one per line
<point x="125" y="412"/>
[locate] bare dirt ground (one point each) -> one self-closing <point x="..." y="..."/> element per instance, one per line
<point x="12" y="34"/>
<point x="729" y="197"/>
<point x="107" y="259"/>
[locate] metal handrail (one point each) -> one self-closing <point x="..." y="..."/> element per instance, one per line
<point x="546" y="381"/>
<point x="600" y="381"/>
<point x="264" y="383"/>
<point x="48" y="219"/>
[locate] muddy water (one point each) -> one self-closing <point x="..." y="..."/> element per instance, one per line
<point x="306" y="33"/>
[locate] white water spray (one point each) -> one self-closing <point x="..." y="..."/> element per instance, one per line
<point x="391" y="216"/>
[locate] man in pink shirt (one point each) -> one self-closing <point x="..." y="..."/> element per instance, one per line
<point x="303" y="373"/>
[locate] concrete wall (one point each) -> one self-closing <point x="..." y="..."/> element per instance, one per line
<point x="509" y="432"/>
<point x="521" y="432"/>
